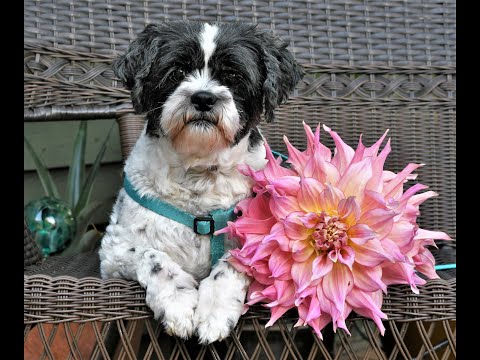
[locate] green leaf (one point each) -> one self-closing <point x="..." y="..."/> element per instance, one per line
<point x="87" y="242"/>
<point x="45" y="177"/>
<point x="85" y="216"/>
<point x="88" y="185"/>
<point x="77" y="166"/>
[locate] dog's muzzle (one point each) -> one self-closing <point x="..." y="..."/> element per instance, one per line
<point x="203" y="100"/>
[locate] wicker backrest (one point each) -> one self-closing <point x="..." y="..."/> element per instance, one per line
<point x="371" y="66"/>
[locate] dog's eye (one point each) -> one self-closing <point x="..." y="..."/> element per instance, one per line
<point x="177" y="74"/>
<point x="230" y="78"/>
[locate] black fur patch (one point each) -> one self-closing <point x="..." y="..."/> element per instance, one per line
<point x="218" y="274"/>
<point x="254" y="64"/>
<point x="254" y="139"/>
<point x="156" y="268"/>
<point x="132" y="249"/>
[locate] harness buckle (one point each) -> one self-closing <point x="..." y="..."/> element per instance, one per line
<point x="204" y="218"/>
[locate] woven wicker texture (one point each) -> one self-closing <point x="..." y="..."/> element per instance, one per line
<point x="371" y="66"/>
<point x="31" y="252"/>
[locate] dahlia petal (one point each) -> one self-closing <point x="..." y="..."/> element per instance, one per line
<point x="280" y="264"/>
<point x="349" y="211"/>
<point x="344" y="153"/>
<point x="257" y="176"/>
<point x="263" y="250"/>
<point x="261" y="273"/>
<point x="301" y="274"/>
<point x="417" y="199"/>
<point x="294" y="229"/>
<point x="425" y="264"/>
<point x="282" y="206"/>
<point x="314" y="309"/>
<point x="302" y="314"/>
<point x="360" y="233"/>
<point x="427" y="234"/>
<point x="286" y="185"/>
<point x="363" y="304"/>
<point x="322" y="170"/>
<point x="305" y="294"/>
<point x="273" y="170"/>
<point x="373" y="150"/>
<point x="402" y="234"/>
<point x="285" y="292"/>
<point x="371" y="253"/>
<point x="310" y="139"/>
<point x="321" y="266"/>
<point x="330" y="197"/>
<point x="277" y="233"/>
<point x="346" y="256"/>
<point x="276" y="312"/>
<point x="333" y="255"/>
<point x="373" y="200"/>
<point x="243" y="206"/>
<point x="269" y="292"/>
<point x="396" y="184"/>
<point x="402" y="273"/>
<point x="355" y="178"/>
<point x="238" y="264"/>
<point x="301" y="251"/>
<point x="359" y="151"/>
<point x="254" y="226"/>
<point x="309" y="195"/>
<point x="295" y="156"/>
<point x="392" y="249"/>
<point x="403" y="200"/>
<point x="319" y="323"/>
<point x="379" y="220"/>
<point x="309" y="220"/>
<point x="376" y="181"/>
<point x="337" y="284"/>
<point x="367" y="278"/>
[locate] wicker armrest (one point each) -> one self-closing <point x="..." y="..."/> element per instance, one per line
<point x="31" y="252"/>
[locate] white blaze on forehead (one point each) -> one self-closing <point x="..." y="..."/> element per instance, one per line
<point x="207" y="41"/>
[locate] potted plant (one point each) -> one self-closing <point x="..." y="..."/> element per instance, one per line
<point x="60" y="224"/>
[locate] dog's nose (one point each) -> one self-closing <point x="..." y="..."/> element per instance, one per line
<point x="203" y="100"/>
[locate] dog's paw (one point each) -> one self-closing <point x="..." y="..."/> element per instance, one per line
<point x="218" y="311"/>
<point x="214" y="329"/>
<point x="177" y="315"/>
<point x="179" y="322"/>
<point x="172" y="294"/>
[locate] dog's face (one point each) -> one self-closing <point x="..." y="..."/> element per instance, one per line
<point x="204" y="87"/>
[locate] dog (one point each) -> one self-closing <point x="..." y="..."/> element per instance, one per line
<point x="203" y="89"/>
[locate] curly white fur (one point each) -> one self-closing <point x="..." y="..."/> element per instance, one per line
<point x="168" y="258"/>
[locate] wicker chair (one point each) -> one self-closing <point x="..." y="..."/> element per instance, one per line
<point x="371" y="65"/>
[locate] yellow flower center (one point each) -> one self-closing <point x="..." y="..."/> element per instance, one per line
<point x="330" y="233"/>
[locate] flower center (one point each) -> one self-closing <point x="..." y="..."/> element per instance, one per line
<point x="330" y="233"/>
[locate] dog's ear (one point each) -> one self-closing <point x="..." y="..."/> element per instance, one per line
<point x="134" y="66"/>
<point x="282" y="72"/>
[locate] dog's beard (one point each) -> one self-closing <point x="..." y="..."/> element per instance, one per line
<point x="194" y="133"/>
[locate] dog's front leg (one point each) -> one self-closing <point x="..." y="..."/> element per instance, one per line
<point x="171" y="293"/>
<point x="221" y="298"/>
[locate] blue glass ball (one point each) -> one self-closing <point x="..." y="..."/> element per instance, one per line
<point x="52" y="224"/>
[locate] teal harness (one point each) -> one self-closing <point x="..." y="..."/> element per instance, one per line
<point x="202" y="225"/>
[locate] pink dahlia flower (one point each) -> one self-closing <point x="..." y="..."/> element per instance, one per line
<point x="330" y="233"/>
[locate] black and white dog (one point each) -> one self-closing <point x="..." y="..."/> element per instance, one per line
<point x="203" y="89"/>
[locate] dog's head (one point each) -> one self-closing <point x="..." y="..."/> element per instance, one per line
<point x="203" y="86"/>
